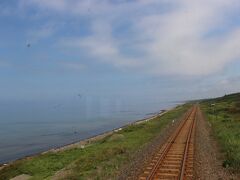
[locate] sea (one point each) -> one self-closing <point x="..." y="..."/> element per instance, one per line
<point x="30" y="127"/>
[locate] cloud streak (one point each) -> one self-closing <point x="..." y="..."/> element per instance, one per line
<point x="160" y="37"/>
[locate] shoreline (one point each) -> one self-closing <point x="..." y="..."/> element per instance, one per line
<point x="89" y="140"/>
<point x="86" y="141"/>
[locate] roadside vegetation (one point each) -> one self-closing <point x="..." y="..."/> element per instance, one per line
<point x="224" y="115"/>
<point x="99" y="160"/>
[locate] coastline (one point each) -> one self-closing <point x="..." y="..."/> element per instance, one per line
<point x="84" y="142"/>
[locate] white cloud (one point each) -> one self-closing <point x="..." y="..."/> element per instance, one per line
<point x="168" y="37"/>
<point x="177" y="43"/>
<point x="101" y="45"/>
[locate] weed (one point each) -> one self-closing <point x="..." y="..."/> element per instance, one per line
<point x="226" y="126"/>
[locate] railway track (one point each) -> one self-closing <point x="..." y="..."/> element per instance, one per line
<point x="174" y="160"/>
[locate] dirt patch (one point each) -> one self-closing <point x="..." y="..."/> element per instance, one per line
<point x="143" y="157"/>
<point x="208" y="159"/>
<point x="22" y="177"/>
<point x="61" y="175"/>
<point x="116" y="137"/>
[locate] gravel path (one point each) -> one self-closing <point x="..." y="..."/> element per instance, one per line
<point x="208" y="159"/>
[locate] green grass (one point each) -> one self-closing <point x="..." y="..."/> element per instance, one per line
<point x="225" y="120"/>
<point x="99" y="160"/>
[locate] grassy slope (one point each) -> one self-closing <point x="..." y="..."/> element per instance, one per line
<point x="225" y="120"/>
<point x="99" y="160"/>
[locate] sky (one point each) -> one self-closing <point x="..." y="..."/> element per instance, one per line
<point x="167" y="50"/>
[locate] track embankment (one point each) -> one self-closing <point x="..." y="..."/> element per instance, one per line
<point x="174" y="160"/>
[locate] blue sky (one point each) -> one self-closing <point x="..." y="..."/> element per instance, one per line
<point x="157" y="49"/>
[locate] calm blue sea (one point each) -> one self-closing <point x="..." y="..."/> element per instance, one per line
<point x="30" y="127"/>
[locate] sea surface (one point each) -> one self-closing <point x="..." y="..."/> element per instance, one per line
<point x="30" y="127"/>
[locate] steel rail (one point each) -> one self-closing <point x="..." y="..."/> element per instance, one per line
<point x="167" y="148"/>
<point x="186" y="149"/>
